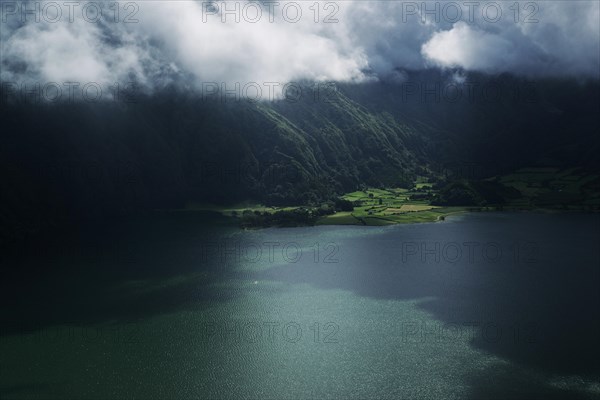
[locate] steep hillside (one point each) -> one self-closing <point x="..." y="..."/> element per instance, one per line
<point x="85" y="162"/>
<point x="65" y="163"/>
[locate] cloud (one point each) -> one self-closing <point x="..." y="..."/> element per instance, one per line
<point x="61" y="53"/>
<point x="190" y="43"/>
<point x="472" y="49"/>
<point x="559" y="39"/>
<point x="248" y="52"/>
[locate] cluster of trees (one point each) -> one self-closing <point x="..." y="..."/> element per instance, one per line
<point x="474" y="193"/>
<point x="301" y="216"/>
<point x="458" y="194"/>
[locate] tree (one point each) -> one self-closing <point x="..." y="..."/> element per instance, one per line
<point x="343" y="205"/>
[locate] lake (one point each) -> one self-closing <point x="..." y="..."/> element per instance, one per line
<point x="482" y="305"/>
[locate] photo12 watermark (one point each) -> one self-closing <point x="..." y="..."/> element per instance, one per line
<point x="464" y="91"/>
<point x="253" y="92"/>
<point x="421" y="331"/>
<point x="72" y="333"/>
<point x="270" y="332"/>
<point x="53" y="12"/>
<point x="291" y="12"/>
<point x="472" y="12"/>
<point x="231" y="251"/>
<point x="71" y="92"/>
<point x="469" y="252"/>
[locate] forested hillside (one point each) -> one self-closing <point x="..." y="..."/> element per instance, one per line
<point x="85" y="162"/>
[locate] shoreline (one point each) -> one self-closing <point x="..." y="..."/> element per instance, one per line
<point x="405" y="218"/>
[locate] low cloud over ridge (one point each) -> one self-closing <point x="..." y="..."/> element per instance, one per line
<point x="186" y="42"/>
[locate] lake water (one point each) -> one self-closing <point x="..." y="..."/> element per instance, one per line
<point x="491" y="305"/>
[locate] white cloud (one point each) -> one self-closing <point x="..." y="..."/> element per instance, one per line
<point x="472" y="49"/>
<point x="177" y="41"/>
<point x="563" y="42"/>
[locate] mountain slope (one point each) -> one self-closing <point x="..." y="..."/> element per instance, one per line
<point x="78" y="163"/>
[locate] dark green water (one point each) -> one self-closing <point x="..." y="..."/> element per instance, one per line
<point x="480" y="306"/>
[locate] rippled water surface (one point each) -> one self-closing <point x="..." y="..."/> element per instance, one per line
<point x="482" y="305"/>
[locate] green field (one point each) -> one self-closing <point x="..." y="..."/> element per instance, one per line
<point x="380" y="217"/>
<point x="552" y="188"/>
<point x="373" y="207"/>
<point x="538" y="188"/>
<point x="376" y="207"/>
